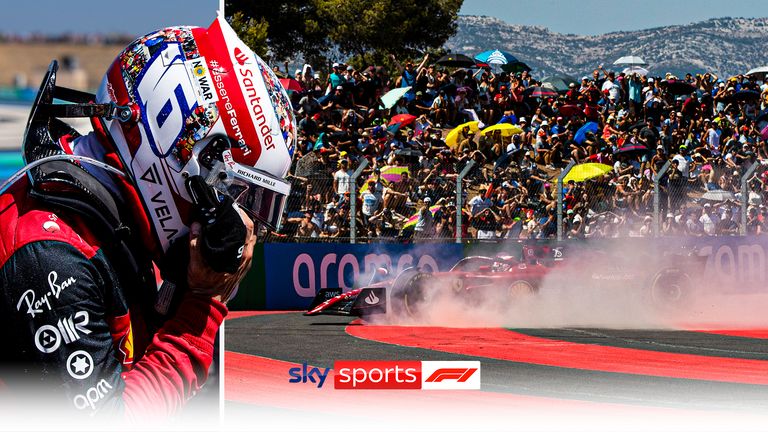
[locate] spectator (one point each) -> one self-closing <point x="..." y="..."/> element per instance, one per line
<point x="706" y="136"/>
<point x="341" y="179"/>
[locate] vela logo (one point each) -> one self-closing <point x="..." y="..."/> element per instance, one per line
<point x="407" y="375"/>
<point x="305" y="373"/>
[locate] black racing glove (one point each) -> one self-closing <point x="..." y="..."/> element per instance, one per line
<point x="222" y="239"/>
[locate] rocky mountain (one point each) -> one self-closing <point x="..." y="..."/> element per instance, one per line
<point x="725" y="46"/>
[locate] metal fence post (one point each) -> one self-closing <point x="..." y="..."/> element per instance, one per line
<point x="657" y="198"/>
<point x="560" y="178"/>
<point x="459" y="204"/>
<point x="745" y="196"/>
<point x="353" y="200"/>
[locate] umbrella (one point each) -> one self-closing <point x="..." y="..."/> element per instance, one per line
<point x="408" y="152"/>
<point x="515" y="67"/>
<point x="393" y="174"/>
<point x="393" y="128"/>
<point x="540" y="92"/>
<point x="390" y="174"/>
<point x="635" y="70"/>
<point x="638" y="125"/>
<point x="744" y="95"/>
<point x="291" y="84"/>
<point x="505" y="128"/>
<point x="411" y="222"/>
<point x="456" y="60"/>
<point x="759" y="72"/>
<point x="560" y="82"/>
<point x="678" y="87"/>
<point x="390" y="99"/>
<point x="308" y="165"/>
<point x="581" y="134"/>
<point x="570" y="110"/>
<point x="718" y="195"/>
<point x="496" y="57"/>
<point x="629" y="148"/>
<point x="403" y="119"/>
<point x="586" y="171"/>
<point x="630" y="60"/>
<point x="548" y="85"/>
<point x="450" y="139"/>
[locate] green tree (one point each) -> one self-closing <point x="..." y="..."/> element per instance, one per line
<point x="252" y="31"/>
<point x="292" y="27"/>
<point x="362" y="28"/>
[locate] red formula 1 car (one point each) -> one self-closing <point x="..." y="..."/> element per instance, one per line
<point x="663" y="281"/>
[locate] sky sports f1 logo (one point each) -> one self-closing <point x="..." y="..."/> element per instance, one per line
<point x="407" y="375"/>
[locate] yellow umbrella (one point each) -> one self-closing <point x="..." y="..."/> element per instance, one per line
<point x="389" y="174"/>
<point x="453" y="135"/>
<point x="586" y="171"/>
<point x="506" y="129"/>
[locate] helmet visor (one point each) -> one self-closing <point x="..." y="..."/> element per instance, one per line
<point x="261" y="195"/>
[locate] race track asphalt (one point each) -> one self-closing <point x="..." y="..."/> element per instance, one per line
<point x="652" y="368"/>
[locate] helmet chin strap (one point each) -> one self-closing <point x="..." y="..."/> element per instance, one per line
<point x="11" y="180"/>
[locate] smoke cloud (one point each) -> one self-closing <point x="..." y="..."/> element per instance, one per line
<point x="618" y="287"/>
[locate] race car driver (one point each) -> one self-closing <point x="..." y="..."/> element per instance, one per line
<point x="120" y="248"/>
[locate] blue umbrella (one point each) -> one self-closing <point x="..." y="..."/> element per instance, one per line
<point x="393" y="128"/>
<point x="496" y="57"/>
<point x="581" y="134"/>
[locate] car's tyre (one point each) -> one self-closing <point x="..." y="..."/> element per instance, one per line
<point x="669" y="290"/>
<point x="520" y="289"/>
<point x="415" y="294"/>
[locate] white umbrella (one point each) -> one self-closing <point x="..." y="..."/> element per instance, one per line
<point x="390" y="99"/>
<point x="718" y="195"/>
<point x="549" y="85"/>
<point x="630" y="60"/>
<point x="635" y="69"/>
<point x="761" y="71"/>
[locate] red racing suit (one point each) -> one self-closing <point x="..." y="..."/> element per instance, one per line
<point x="69" y="322"/>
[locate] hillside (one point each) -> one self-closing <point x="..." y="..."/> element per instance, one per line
<point x="726" y="46"/>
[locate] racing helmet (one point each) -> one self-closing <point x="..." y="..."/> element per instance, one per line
<point x="201" y="104"/>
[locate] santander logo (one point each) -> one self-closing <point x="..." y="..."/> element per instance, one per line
<point x="240" y="56"/>
<point x="371" y="299"/>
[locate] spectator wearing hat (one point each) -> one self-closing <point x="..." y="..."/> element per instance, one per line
<point x="335" y="78"/>
<point x="349" y="74"/>
<point x="408" y="74"/>
<point x="573" y="93"/>
<point x="465" y="140"/>
<point x="647" y="229"/>
<point x="419" y="105"/>
<point x="341" y="179"/>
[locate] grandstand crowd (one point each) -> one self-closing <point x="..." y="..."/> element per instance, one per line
<point x="706" y="126"/>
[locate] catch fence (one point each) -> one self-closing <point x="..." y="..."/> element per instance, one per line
<point x="475" y="203"/>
